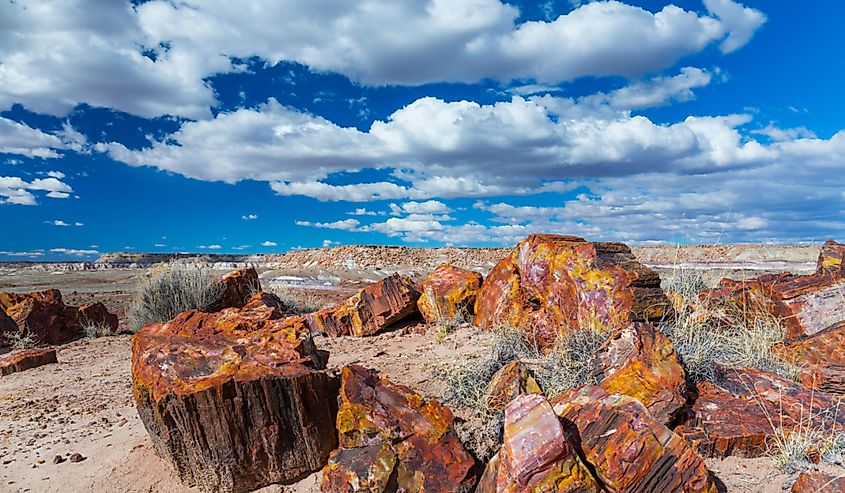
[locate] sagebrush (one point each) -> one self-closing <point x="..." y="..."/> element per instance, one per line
<point x="170" y="289"/>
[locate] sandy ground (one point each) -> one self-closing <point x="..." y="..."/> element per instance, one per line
<point x="84" y="405"/>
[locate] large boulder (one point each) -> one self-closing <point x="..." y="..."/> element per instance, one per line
<point x="830" y="262"/>
<point x="42" y="314"/>
<point x="236" y="288"/>
<point x="805" y="305"/>
<point x="744" y="409"/>
<point x="389" y="432"/>
<point x="448" y="292"/>
<point x="626" y="447"/>
<point x="370" y="310"/>
<point x="235" y="400"/>
<point x="536" y="455"/>
<point x="25" y="359"/>
<point x="551" y="284"/>
<point x="510" y="382"/>
<point x="820" y="357"/>
<point x="640" y="362"/>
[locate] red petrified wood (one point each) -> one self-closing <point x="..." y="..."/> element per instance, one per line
<point x="741" y="411"/>
<point x="25" y="359"/>
<point x="388" y="433"/>
<point x="370" y="310"/>
<point x="235" y="400"/>
<point x="513" y="380"/>
<point x="536" y="456"/>
<point x="448" y="292"/>
<point x="830" y="259"/>
<point x="640" y="362"/>
<point x="805" y="305"/>
<point x="821" y="358"/>
<point x="236" y="288"/>
<point x="818" y="482"/>
<point x="551" y="284"/>
<point x="628" y="449"/>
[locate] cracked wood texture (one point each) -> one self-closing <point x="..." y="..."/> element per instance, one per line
<point x="551" y="284"/>
<point x="235" y="400"/>
<point x="370" y="310"/>
<point x="831" y="255"/>
<point x="821" y="358"/>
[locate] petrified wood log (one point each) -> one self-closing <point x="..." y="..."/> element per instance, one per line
<point x="551" y="284"/>
<point x="7" y="327"/>
<point x="448" y="292"/>
<point x="44" y="315"/>
<point x="97" y="314"/>
<point x="821" y="358"/>
<point x="512" y="381"/>
<point x="741" y="411"/>
<point x="830" y="259"/>
<point x="236" y="288"/>
<point x="627" y="448"/>
<point x="235" y="400"/>
<point x="818" y="482"/>
<point x="392" y="438"/>
<point x="25" y="359"/>
<point x="640" y="362"/>
<point x="370" y="310"/>
<point x="535" y="456"/>
<point x="805" y="305"/>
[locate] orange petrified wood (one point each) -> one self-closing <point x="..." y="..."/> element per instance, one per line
<point x="370" y="310"/>
<point x="389" y="432"/>
<point x="25" y="359"/>
<point x="821" y="358"/>
<point x="235" y="400"/>
<point x="448" y="292"/>
<point x="830" y="260"/>
<point x="551" y="284"/>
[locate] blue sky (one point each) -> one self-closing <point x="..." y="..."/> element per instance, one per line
<point x="208" y="126"/>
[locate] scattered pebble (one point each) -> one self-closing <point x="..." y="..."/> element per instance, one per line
<point x="77" y="457"/>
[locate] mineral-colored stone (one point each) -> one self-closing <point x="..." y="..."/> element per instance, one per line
<point x="627" y="448"/>
<point x="447" y="292"/>
<point x="370" y="310"/>
<point x="818" y="482"/>
<point x="235" y="400"/>
<point x="805" y="305"/>
<point x="418" y="435"/>
<point x="551" y="284"/>
<point x="738" y="413"/>
<point x="830" y="259"/>
<point x="44" y="315"/>
<point x="97" y="314"/>
<point x="821" y="358"/>
<point x="640" y="362"/>
<point x="513" y="380"/>
<point x="7" y="326"/>
<point x="535" y="456"/>
<point x="236" y="288"/>
<point x="25" y="359"/>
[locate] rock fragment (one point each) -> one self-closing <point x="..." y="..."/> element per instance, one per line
<point x="449" y="292"/>
<point x="26" y="359"/>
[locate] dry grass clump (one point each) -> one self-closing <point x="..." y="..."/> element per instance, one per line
<point x="94" y="330"/>
<point x="706" y="335"/>
<point x="300" y="301"/>
<point x="565" y="367"/>
<point x="21" y="340"/>
<point x="170" y="289"/>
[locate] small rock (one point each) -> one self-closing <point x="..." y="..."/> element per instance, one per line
<point x="58" y="459"/>
<point x="77" y="457"/>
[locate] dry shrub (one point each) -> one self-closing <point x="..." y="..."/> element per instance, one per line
<point x="170" y="289"/>
<point x="21" y="340"/>
<point x="707" y="334"/>
<point x="300" y="301"/>
<point x="94" y="330"/>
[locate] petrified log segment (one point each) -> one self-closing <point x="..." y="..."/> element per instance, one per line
<point x="818" y="482"/>
<point x="370" y="310"/>
<point x="97" y="314"/>
<point x="236" y="288"/>
<point x="535" y="456"/>
<point x="235" y="400"/>
<point x="739" y="412"/>
<point x="830" y="259"/>
<point x="821" y="358"/>
<point x="44" y="315"/>
<point x="805" y="305"/>
<point x="7" y="327"/>
<point x="25" y="359"/>
<point x="389" y="434"/>
<point x="628" y="449"/>
<point x="640" y="362"/>
<point x="448" y="292"/>
<point x="551" y="284"/>
<point x="512" y="381"/>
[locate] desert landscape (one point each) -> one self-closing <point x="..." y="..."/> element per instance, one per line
<point x="74" y="423"/>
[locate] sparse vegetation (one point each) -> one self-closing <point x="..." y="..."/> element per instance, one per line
<point x="300" y="301"/>
<point x="171" y="289"/>
<point x="22" y="340"/>
<point x="94" y="330"/>
<point x="707" y="335"/>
